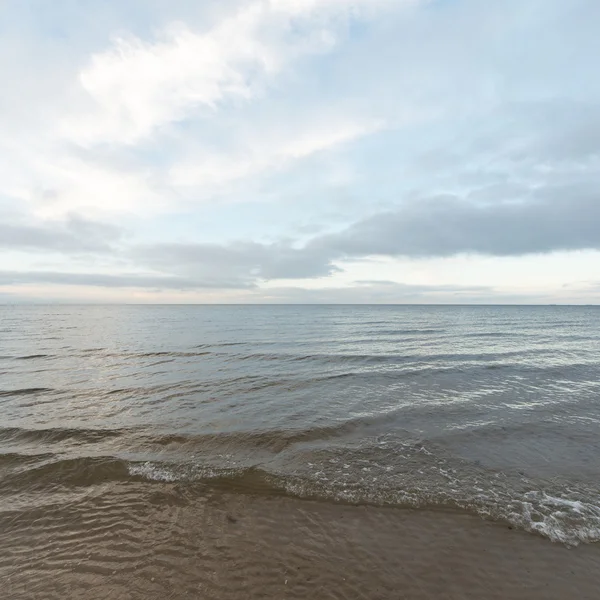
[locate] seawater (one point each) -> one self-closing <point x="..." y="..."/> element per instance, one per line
<point x="491" y="410"/>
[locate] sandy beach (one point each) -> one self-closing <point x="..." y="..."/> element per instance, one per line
<point x="237" y="546"/>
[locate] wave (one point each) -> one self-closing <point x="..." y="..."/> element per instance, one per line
<point x="570" y="521"/>
<point x="432" y="363"/>
<point x="156" y="354"/>
<point x="494" y="334"/>
<point x="413" y="331"/>
<point x="175" y="354"/>
<point x="70" y="472"/>
<point x="12" y="459"/>
<point x="226" y="344"/>
<point x="274" y="440"/>
<point x="341" y="357"/>
<point x="24" y="391"/>
<point x="567" y="518"/>
<point x="57" y="434"/>
<point x="429" y="360"/>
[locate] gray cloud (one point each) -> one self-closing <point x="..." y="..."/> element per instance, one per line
<point x="498" y="220"/>
<point x="73" y="235"/>
<point x="539" y="221"/>
<point x="133" y="280"/>
<point x="364" y="292"/>
<point x="374" y="282"/>
<point x="523" y="221"/>
<point x="245" y="262"/>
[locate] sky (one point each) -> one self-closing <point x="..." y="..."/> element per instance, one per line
<point x="300" y="151"/>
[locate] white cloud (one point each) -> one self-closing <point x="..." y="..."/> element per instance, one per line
<point x="327" y="137"/>
<point x="137" y="87"/>
<point x="125" y="97"/>
<point x="272" y="150"/>
<point x="63" y="183"/>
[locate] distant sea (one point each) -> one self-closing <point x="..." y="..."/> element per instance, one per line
<point x="271" y="451"/>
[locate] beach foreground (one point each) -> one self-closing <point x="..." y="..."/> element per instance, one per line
<point x="136" y="540"/>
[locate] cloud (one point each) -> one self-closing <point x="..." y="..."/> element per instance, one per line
<point x="137" y="87"/>
<point x="536" y="221"/>
<point x="377" y="293"/>
<point x="126" y="280"/>
<point x="523" y="221"/>
<point x="245" y="262"/>
<point x="375" y="282"/>
<point x="209" y="170"/>
<point x="88" y="185"/>
<point x="105" y="137"/>
<point x="71" y="236"/>
<point x="352" y="130"/>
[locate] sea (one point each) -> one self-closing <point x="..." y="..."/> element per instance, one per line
<point x="222" y="451"/>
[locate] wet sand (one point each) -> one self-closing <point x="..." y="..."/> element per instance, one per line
<point x="134" y="541"/>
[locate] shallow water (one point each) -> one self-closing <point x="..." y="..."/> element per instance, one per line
<point x="484" y="411"/>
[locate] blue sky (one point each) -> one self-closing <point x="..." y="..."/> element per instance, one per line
<point x="300" y="151"/>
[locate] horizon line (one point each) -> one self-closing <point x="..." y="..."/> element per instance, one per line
<point x="68" y="303"/>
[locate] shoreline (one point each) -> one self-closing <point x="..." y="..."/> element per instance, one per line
<point x="158" y="542"/>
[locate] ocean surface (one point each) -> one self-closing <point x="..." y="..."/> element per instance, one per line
<point x="113" y="417"/>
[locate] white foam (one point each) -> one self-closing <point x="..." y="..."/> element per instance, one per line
<point x="570" y="518"/>
<point x="160" y="472"/>
<point x="566" y="520"/>
<point x="152" y="471"/>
